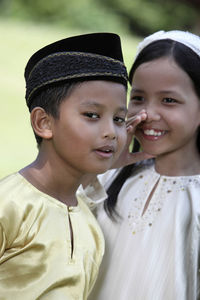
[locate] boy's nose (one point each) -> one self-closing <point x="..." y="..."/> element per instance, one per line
<point x="109" y="131"/>
<point x="110" y="136"/>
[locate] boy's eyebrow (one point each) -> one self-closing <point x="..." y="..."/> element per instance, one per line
<point x="99" y="105"/>
<point x="123" y="109"/>
<point x="91" y="103"/>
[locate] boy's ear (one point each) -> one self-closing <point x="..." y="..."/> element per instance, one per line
<point x="41" y="123"/>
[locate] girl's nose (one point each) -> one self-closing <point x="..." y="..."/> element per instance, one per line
<point x="152" y="114"/>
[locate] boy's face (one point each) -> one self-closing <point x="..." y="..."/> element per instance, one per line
<point x="90" y="132"/>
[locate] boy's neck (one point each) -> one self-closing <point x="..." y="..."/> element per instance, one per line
<point x="56" y="182"/>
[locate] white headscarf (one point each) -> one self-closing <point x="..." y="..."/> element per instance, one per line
<point x="188" y="39"/>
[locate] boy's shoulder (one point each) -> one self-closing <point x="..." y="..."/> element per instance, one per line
<point x="15" y="189"/>
<point x="12" y="189"/>
<point x="9" y="182"/>
<point x="11" y="210"/>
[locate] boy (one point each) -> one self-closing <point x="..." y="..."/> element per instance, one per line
<point x="50" y="244"/>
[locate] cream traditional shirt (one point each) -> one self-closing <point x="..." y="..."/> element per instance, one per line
<point x="155" y="255"/>
<point x="36" y="256"/>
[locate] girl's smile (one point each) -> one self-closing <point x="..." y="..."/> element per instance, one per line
<point x="152" y="134"/>
<point x="167" y="94"/>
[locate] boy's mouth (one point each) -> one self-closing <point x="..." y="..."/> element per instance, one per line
<point x="105" y="151"/>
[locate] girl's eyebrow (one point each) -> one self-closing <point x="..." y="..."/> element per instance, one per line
<point x="169" y="92"/>
<point x="135" y="90"/>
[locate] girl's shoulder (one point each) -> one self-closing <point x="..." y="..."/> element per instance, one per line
<point x="145" y="166"/>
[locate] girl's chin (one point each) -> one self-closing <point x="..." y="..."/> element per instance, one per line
<point x="150" y="148"/>
<point x="151" y="152"/>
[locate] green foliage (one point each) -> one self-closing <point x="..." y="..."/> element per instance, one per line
<point x="144" y="16"/>
<point x="133" y="16"/>
<point x="85" y="14"/>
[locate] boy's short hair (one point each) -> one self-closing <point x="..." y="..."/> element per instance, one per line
<point x="52" y="71"/>
<point x="50" y="99"/>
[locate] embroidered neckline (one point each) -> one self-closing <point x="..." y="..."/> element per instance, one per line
<point x="166" y="185"/>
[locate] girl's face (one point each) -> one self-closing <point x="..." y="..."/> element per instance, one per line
<point x="90" y="132"/>
<point x="167" y="94"/>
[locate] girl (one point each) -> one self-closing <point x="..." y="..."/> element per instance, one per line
<point x="151" y="218"/>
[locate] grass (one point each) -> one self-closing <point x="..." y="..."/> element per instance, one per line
<point x="19" y="42"/>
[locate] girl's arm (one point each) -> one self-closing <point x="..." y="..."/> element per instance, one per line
<point x="127" y="157"/>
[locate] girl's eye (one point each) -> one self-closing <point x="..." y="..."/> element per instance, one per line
<point x="169" y="100"/>
<point x="137" y="99"/>
<point x="119" y="120"/>
<point x="91" y="115"/>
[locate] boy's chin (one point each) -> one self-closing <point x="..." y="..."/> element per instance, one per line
<point x="102" y="170"/>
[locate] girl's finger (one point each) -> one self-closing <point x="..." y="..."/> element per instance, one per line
<point x="136" y="119"/>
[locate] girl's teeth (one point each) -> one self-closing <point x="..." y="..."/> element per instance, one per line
<point x="152" y="132"/>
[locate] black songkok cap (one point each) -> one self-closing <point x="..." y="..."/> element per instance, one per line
<point x="84" y="57"/>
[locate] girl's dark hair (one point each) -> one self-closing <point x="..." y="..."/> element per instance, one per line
<point x="189" y="62"/>
<point x="50" y="99"/>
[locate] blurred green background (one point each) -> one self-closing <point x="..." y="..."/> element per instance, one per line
<point x="27" y="25"/>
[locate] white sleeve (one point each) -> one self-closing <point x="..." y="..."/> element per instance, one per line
<point x="95" y="193"/>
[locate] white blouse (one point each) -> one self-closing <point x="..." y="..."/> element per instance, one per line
<point x="155" y="255"/>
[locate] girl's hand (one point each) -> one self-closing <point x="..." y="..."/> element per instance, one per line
<point x="126" y="157"/>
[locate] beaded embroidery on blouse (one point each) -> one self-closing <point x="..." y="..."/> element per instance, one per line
<point x="166" y="185"/>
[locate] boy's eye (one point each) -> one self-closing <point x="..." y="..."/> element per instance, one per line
<point x="119" y="120"/>
<point x="169" y="100"/>
<point x="91" y="115"/>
